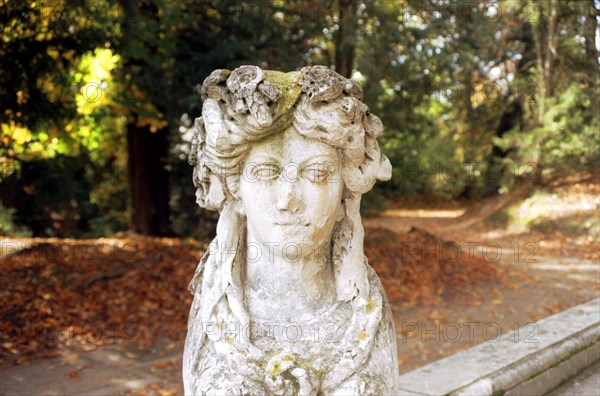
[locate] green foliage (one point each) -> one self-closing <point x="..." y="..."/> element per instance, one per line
<point x="571" y="139"/>
<point x="566" y="141"/>
<point x="570" y="225"/>
<point x="51" y="196"/>
<point x="8" y="225"/>
<point x="441" y="75"/>
<point x="66" y="196"/>
<point x="43" y="40"/>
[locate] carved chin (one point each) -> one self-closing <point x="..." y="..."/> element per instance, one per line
<point x="296" y="233"/>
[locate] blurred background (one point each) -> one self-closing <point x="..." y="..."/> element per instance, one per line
<point x="491" y="115"/>
<point x="475" y="96"/>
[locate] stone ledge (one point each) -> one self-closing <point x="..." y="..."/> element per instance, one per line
<point x="563" y="344"/>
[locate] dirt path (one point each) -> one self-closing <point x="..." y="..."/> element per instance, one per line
<point x="540" y="282"/>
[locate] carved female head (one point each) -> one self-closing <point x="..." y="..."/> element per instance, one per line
<point x="306" y="145"/>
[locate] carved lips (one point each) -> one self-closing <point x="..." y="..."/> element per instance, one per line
<point x="292" y="222"/>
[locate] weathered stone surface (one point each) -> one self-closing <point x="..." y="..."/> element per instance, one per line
<point x="285" y="302"/>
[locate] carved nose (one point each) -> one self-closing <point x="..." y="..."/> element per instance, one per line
<point x="288" y="201"/>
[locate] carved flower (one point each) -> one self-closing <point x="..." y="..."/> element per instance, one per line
<point x="212" y="88"/>
<point x="269" y="90"/>
<point x="251" y="93"/>
<point x="244" y="80"/>
<point x="322" y="84"/>
<point x="287" y="376"/>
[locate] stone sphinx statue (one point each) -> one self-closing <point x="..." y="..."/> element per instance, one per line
<point x="285" y="302"/>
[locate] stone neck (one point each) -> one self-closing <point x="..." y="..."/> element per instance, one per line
<point x="283" y="288"/>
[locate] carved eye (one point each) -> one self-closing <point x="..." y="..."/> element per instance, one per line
<point x="318" y="172"/>
<point x="265" y="172"/>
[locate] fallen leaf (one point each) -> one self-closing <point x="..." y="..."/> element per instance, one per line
<point x="74" y="375"/>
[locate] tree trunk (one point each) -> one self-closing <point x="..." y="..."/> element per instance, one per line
<point x="545" y="33"/>
<point x="469" y="129"/>
<point x="345" y="40"/>
<point x="591" y="52"/>
<point x="510" y="118"/>
<point x="148" y="179"/>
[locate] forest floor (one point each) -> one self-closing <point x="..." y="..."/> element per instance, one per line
<point x="456" y="274"/>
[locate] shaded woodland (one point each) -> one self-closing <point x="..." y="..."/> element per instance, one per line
<point x="97" y="97"/>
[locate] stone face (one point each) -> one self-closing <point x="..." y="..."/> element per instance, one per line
<point x="285" y="301"/>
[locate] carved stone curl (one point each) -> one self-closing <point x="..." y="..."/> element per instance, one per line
<point x="285" y="159"/>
